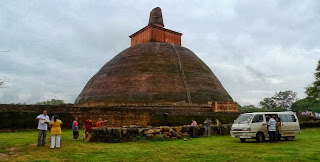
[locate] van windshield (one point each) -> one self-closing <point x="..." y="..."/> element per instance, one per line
<point x="244" y="119"/>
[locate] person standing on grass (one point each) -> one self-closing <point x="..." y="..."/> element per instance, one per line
<point x="99" y="122"/>
<point x="193" y="128"/>
<point x="75" y="128"/>
<point x="278" y="128"/>
<point x="55" y="132"/>
<point x="207" y="126"/>
<point x="42" y="127"/>
<point x="272" y="130"/>
<point x="50" y="129"/>
<point x="88" y="124"/>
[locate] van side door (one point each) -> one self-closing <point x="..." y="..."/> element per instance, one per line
<point x="288" y="125"/>
<point x="258" y="124"/>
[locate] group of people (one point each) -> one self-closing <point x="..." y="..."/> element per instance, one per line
<point x="310" y="113"/>
<point x="55" y="131"/>
<point x="207" y="127"/>
<point x="54" y="125"/>
<point x="274" y="126"/>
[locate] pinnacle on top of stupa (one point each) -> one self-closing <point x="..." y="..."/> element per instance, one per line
<point x="156" y="17"/>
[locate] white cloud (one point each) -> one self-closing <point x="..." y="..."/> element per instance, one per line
<point x="24" y="96"/>
<point x="255" y="48"/>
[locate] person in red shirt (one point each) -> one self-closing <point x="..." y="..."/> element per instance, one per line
<point x="88" y="124"/>
<point x="99" y="122"/>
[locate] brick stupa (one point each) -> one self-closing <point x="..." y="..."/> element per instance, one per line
<point x="155" y="71"/>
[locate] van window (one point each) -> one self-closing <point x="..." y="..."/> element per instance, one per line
<point x="274" y="116"/>
<point x="257" y="118"/>
<point x="243" y="119"/>
<point x="287" y="118"/>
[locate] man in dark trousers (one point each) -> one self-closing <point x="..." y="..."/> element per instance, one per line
<point x="75" y="128"/>
<point x="272" y="129"/>
<point x="42" y="127"/>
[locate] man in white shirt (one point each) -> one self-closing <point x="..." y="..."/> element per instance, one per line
<point x="42" y="127"/>
<point x="272" y="129"/>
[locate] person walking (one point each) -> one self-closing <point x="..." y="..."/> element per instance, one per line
<point x="42" y="127"/>
<point x="55" y="132"/>
<point x="75" y="128"/>
<point x="207" y="127"/>
<point x="193" y="128"/>
<point x="272" y="129"/>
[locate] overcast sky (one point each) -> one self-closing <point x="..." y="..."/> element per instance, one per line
<point x="255" y="48"/>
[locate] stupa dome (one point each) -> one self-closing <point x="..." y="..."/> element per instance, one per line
<point x="155" y="70"/>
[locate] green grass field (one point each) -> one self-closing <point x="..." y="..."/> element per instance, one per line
<point x="21" y="146"/>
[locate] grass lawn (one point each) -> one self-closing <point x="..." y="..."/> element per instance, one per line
<point x="21" y="146"/>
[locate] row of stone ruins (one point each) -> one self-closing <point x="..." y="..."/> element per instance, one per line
<point x="136" y="133"/>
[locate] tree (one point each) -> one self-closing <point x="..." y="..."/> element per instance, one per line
<point x="268" y="104"/>
<point x="3" y="83"/>
<point x="280" y="101"/>
<point x="285" y="99"/>
<point x="51" y="102"/>
<point x="249" y="108"/>
<point x="306" y="104"/>
<point x="313" y="90"/>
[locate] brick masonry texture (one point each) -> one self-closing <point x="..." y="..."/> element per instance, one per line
<point x="148" y="75"/>
<point x="23" y="116"/>
<point x="16" y="117"/>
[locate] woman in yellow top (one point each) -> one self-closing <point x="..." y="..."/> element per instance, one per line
<point x="55" y="132"/>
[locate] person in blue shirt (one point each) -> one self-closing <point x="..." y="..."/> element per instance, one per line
<point x="272" y="129"/>
<point x="75" y="128"/>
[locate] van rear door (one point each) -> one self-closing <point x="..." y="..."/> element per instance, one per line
<point x="288" y="125"/>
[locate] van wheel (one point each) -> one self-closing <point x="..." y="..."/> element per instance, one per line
<point x="259" y="137"/>
<point x="242" y="139"/>
<point x="288" y="138"/>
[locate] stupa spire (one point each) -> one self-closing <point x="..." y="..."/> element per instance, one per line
<point x="156" y="17"/>
<point x="155" y="31"/>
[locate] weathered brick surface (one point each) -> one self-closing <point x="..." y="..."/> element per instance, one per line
<point x="147" y="74"/>
<point x="23" y="116"/>
<point x="155" y="17"/>
<point x="224" y="106"/>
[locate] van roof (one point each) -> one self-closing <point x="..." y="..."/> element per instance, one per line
<point x="284" y="112"/>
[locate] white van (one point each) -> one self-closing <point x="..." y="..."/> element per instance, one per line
<point x="254" y="126"/>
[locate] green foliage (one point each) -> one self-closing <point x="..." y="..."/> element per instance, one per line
<point x="159" y="138"/>
<point x="268" y="104"/>
<point x="51" y="102"/>
<point x="313" y="90"/>
<point x="280" y="101"/>
<point x="312" y="101"/>
<point x="22" y="145"/>
<point x="252" y="108"/>
<point x="306" y="104"/>
<point x="249" y="108"/>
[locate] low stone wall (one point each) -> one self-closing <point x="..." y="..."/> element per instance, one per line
<point x="135" y="133"/>
<point x="17" y="117"/>
<point x="310" y="124"/>
<point x="23" y="116"/>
